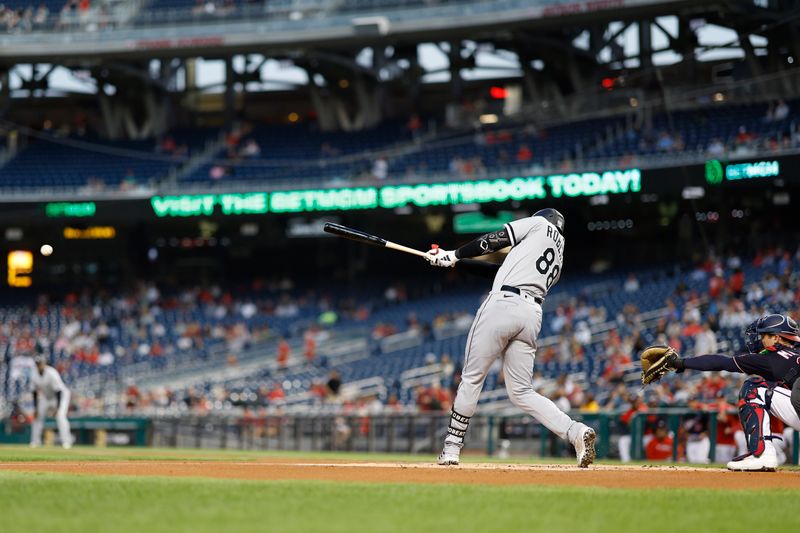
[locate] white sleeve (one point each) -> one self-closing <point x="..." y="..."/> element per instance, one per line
<point x="519" y="229"/>
<point x="58" y="383"/>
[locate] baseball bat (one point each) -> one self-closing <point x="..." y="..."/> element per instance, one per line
<point x="366" y="238"/>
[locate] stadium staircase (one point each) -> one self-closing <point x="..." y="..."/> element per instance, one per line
<point x="196" y="161"/>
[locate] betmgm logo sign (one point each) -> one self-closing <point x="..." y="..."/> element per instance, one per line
<point x="716" y="172"/>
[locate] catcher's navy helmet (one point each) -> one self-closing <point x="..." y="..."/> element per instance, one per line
<point x="552" y="216"/>
<point x="781" y="325"/>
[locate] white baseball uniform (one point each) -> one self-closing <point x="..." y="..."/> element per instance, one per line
<point x="51" y="392"/>
<point x="507" y="325"/>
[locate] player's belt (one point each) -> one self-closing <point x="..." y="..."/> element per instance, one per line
<point x="515" y="290"/>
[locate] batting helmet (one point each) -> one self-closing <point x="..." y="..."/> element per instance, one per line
<point x="781" y="325"/>
<point x="553" y="217"/>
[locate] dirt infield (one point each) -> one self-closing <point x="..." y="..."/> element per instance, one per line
<point x="486" y="474"/>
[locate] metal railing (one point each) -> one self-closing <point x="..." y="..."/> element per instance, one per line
<point x="420" y="433"/>
<point x="298" y="13"/>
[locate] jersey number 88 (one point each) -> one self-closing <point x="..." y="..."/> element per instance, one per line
<point x="544" y="263"/>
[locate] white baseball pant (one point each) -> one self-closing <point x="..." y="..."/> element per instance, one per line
<point x="507" y="326"/>
<point x="42" y="406"/>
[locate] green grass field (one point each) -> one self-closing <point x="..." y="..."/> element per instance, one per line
<point x="41" y="502"/>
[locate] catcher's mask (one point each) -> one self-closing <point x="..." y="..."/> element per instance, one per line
<point x="552" y="216"/>
<point x="780" y="325"/>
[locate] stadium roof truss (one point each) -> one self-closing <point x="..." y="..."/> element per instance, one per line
<point x="564" y="55"/>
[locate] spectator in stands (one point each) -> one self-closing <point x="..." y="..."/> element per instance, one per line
<point x="284" y="352"/>
<point x="333" y="385"/>
<point x="692" y="328"/>
<point x="660" y="446"/>
<point x="631" y="405"/>
<point x="665" y="142"/>
<point x="433" y="398"/>
<point x="168" y="145"/>
<point x="781" y="111"/>
<point x="734" y="261"/>
<point x="327" y="150"/>
<point x="447" y="368"/>
<point x="796" y="136"/>
<point x="456" y="166"/>
<point x="698" y="445"/>
<point x="250" y="150"/>
<point x="341" y="433"/>
<point x="382" y="330"/>
<point x="583" y="335"/>
<point x="310" y="344"/>
<point x="129" y="182"/>
<point x="226" y="7"/>
<point x="590" y="404"/>
<point x="727" y="426"/>
<point x="414" y="126"/>
<point x="678" y="143"/>
<point x="734" y="315"/>
<point x="715" y="148"/>
<point x="42" y="12"/>
<point x="25" y="23"/>
<point x="559" y="320"/>
<point x="705" y="341"/>
<point x="217" y="172"/>
<point x="716" y="284"/>
<point x="524" y="154"/>
<point x="736" y="283"/>
<point x="561" y="400"/>
<point x="380" y="168"/>
<point x="744" y="139"/>
<point x="276" y="393"/>
<point x="632" y="283"/>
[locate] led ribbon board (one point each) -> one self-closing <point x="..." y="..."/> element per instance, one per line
<point x="70" y="209"/>
<point x="392" y="196"/>
<point x="715" y="170"/>
<point x="759" y="169"/>
<point x="205" y="204"/>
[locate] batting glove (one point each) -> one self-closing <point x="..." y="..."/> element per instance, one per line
<point x="442" y="258"/>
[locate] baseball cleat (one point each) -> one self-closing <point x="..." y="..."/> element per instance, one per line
<point x="767" y="462"/>
<point x="584" y="447"/>
<point x="450" y="454"/>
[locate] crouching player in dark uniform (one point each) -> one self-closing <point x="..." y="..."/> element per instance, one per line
<point x="773" y="343"/>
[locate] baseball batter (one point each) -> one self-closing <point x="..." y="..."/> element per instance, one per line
<point x="49" y="392"/>
<point x="508" y="324"/>
<point x="773" y="359"/>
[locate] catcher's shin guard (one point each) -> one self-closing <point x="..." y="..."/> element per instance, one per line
<point x="754" y="407"/>
<point x="796" y="396"/>
<point x="457" y="427"/>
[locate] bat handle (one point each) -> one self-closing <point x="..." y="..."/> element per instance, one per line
<point x="435" y="247"/>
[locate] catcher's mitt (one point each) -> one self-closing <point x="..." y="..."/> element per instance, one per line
<point x="657" y="361"/>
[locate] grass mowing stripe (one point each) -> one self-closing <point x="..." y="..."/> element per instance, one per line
<point x="54" y="502"/>
<point x="90" y="453"/>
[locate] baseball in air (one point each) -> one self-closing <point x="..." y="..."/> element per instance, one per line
<point x="46" y="249"/>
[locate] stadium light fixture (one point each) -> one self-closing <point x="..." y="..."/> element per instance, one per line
<point x="498" y="93"/>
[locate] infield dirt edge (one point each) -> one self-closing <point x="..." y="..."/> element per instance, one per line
<point x="606" y="476"/>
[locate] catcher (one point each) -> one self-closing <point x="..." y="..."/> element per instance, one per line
<point x="773" y="359"/>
